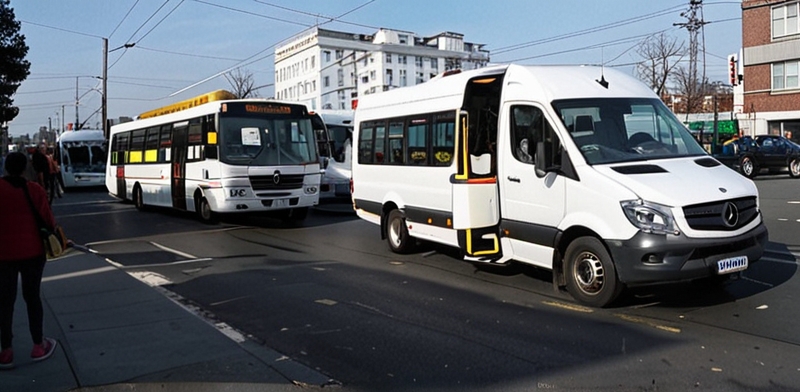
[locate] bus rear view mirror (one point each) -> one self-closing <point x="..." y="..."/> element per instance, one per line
<point x="540" y="163"/>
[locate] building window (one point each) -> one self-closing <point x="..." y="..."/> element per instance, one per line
<point x="434" y="64"/>
<point x="389" y="77"/>
<point x="340" y="76"/>
<point x="327" y="56"/>
<point x="388" y="58"/>
<point x="372" y="75"/>
<point x="403" y="80"/>
<point x="403" y="39"/>
<point x="785" y="20"/>
<point x="401" y="59"/>
<point x="339" y="54"/>
<point x="420" y="77"/>
<point x="326" y="81"/>
<point x="418" y="61"/>
<point x="785" y="75"/>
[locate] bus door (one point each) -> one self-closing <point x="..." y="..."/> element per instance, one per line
<point x="178" y="178"/>
<point x="476" y="214"/>
<point x="119" y="152"/>
<point x="533" y="201"/>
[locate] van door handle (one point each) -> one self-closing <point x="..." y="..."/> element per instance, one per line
<point x="513" y="179"/>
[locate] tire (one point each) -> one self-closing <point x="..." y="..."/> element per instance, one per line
<point x="590" y="273"/>
<point x="138" y="200"/>
<point x="397" y="233"/>
<point x="204" y="212"/>
<point x="748" y="167"/>
<point x="794" y="167"/>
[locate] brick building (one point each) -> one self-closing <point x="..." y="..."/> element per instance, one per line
<point x="770" y="63"/>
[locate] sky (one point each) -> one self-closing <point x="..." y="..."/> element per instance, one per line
<point x="182" y="47"/>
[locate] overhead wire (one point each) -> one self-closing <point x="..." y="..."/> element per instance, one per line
<point x="123" y="19"/>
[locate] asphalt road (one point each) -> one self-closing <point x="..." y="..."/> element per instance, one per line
<point x="330" y="294"/>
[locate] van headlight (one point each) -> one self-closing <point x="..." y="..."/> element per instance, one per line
<point x="650" y="217"/>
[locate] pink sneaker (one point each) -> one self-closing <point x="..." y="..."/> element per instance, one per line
<point x="45" y="350"/>
<point x="7" y="359"/>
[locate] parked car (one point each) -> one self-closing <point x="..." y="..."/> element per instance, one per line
<point x="752" y="155"/>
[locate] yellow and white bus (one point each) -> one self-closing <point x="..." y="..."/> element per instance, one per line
<point x="215" y="155"/>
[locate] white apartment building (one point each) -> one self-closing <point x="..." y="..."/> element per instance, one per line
<point x="329" y="69"/>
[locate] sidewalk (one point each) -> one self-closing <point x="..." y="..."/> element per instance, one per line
<point x="116" y="333"/>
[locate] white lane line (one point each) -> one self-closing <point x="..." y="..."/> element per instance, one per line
<point x="77" y="274"/>
<point x="136" y="266"/>
<point x="175" y="251"/>
<point x="793" y="202"/>
<point x="95" y="213"/>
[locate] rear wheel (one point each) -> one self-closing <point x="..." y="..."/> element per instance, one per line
<point x="590" y="273"/>
<point x="397" y="233"/>
<point x="794" y="167"/>
<point x="748" y="167"/>
<point x="138" y="201"/>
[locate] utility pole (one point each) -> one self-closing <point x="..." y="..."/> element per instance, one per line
<point x="74" y="128"/>
<point x="694" y="25"/>
<point x="105" y="88"/>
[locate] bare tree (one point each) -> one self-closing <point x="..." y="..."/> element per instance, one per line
<point x="692" y="90"/>
<point x="242" y="83"/>
<point x="661" y="55"/>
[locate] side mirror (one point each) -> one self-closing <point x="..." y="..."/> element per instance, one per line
<point x="540" y="163"/>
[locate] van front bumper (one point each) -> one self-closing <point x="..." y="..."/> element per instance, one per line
<point x="650" y="258"/>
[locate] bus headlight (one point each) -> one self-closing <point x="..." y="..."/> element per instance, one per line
<point x="650" y="217"/>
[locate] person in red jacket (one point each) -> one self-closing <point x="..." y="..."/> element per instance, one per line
<point x="22" y="255"/>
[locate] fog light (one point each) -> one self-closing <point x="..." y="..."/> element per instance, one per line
<point x="310" y="190"/>
<point x="652" y="259"/>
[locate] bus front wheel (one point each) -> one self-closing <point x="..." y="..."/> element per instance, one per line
<point x="204" y="211"/>
<point x="590" y="273"/>
<point x="397" y="233"/>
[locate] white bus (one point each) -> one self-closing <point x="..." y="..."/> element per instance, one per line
<point x="538" y="164"/>
<point x="82" y="155"/>
<point x="334" y="139"/>
<point x="223" y="156"/>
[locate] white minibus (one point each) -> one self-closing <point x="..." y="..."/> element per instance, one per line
<point x="334" y="131"/>
<point x="82" y="156"/>
<point x="214" y="156"/>
<point x="578" y="170"/>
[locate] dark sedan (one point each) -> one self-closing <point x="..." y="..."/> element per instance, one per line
<point x="752" y="155"/>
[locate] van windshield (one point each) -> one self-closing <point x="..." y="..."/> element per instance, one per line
<point x="610" y="130"/>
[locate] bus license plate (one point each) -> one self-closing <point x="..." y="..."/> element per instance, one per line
<point x="732" y="264"/>
<point x="280" y="203"/>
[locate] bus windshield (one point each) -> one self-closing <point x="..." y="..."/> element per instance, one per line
<point x="611" y="130"/>
<point x="263" y="141"/>
<point x="85" y="157"/>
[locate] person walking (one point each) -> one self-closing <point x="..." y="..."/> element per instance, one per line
<point x="55" y="176"/>
<point x="23" y="256"/>
<point x="41" y="165"/>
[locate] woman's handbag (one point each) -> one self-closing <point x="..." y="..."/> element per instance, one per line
<point x="53" y="239"/>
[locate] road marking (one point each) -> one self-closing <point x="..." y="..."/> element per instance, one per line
<point x="793" y="202"/>
<point x="647" y="322"/>
<point x="152" y="279"/>
<point x="567" y="306"/>
<point x="93" y="213"/>
<point x="328" y="302"/>
<point x="77" y="274"/>
<point x="135" y="266"/>
<point x="80" y="203"/>
<point x="175" y="251"/>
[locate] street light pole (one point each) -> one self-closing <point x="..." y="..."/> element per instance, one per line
<point x="105" y="88"/>
<point x="76" y="104"/>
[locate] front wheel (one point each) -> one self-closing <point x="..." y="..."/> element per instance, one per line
<point x="590" y="273"/>
<point x="204" y="211"/>
<point x="397" y="233"/>
<point x="749" y="167"/>
<point x="794" y="167"/>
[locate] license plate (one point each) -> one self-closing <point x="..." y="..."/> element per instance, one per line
<point x="732" y="264"/>
<point x="280" y="203"/>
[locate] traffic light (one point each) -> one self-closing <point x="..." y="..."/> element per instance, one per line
<point x="734" y="75"/>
